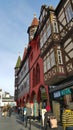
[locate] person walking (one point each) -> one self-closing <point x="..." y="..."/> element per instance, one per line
<point x="50" y="121"/>
<point x="67" y="118"/>
<point x="28" y="114"/>
<point x="10" y="111"/>
<point x="24" y="113"/>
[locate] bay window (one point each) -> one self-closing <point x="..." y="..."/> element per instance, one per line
<point x="52" y="59"/>
<point x="55" y="27"/>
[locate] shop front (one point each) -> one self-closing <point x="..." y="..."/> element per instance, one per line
<point x="61" y="96"/>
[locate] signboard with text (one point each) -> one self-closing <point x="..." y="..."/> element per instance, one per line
<point x="62" y="93"/>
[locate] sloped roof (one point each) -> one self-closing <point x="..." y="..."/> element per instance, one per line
<point x="24" y="54"/>
<point x="18" y="62"/>
<point x="35" y="21"/>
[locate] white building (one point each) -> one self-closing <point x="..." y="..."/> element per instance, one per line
<point x="6" y="98"/>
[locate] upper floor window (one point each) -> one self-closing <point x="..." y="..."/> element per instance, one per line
<point x="48" y="30"/>
<point x="43" y="13"/>
<point x="45" y="33"/>
<point x="49" y="61"/>
<point x="38" y="45"/>
<point x="69" y="13"/>
<point x="37" y="74"/>
<point x="55" y="27"/>
<point x="34" y="77"/>
<point x="59" y="57"/>
<point x="31" y="56"/>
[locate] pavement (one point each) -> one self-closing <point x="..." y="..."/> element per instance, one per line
<point x="15" y="123"/>
<point x="38" y="124"/>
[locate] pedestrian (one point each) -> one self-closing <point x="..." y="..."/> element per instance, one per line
<point x="46" y="115"/>
<point x="28" y="114"/>
<point x="18" y="110"/>
<point x="10" y="111"/>
<point x="5" y="111"/>
<point x="24" y="113"/>
<point x="50" y="121"/>
<point x="67" y="118"/>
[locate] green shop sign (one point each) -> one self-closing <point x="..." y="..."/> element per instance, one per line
<point x="65" y="91"/>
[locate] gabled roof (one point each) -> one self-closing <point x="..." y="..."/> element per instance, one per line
<point x="18" y="62"/>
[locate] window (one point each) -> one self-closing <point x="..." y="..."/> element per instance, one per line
<point x="43" y="13"/>
<point x="41" y="17"/>
<point x="48" y="63"/>
<point x="34" y="77"/>
<point x="45" y="68"/>
<point x="48" y="31"/>
<point x="69" y="13"/>
<point x="38" y="45"/>
<point x="52" y="58"/>
<point x="55" y="27"/>
<point x="31" y="56"/>
<point x="59" y="57"/>
<point x="37" y="74"/>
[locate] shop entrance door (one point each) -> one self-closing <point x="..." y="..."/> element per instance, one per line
<point x="56" y="109"/>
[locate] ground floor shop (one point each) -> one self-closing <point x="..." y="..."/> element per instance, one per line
<point x="61" y="95"/>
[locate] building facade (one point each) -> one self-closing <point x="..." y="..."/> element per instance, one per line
<point x="56" y="44"/>
<point x="38" y="90"/>
<point x="22" y="79"/>
<point x="6" y="99"/>
<point x="49" y="60"/>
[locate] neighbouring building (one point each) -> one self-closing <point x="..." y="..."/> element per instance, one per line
<point x="56" y="44"/>
<point x="38" y="90"/>
<point x="17" y="67"/>
<point x="22" y="79"/>
<point x="6" y="99"/>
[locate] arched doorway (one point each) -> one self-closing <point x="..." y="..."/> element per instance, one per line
<point x="34" y="105"/>
<point x="43" y="96"/>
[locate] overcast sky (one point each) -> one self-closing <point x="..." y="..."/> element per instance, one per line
<point x="15" y="18"/>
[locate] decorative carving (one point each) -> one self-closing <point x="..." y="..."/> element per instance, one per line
<point x="53" y="71"/>
<point x="69" y="67"/>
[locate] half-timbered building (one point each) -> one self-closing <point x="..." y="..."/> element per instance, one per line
<point x="56" y="43"/>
